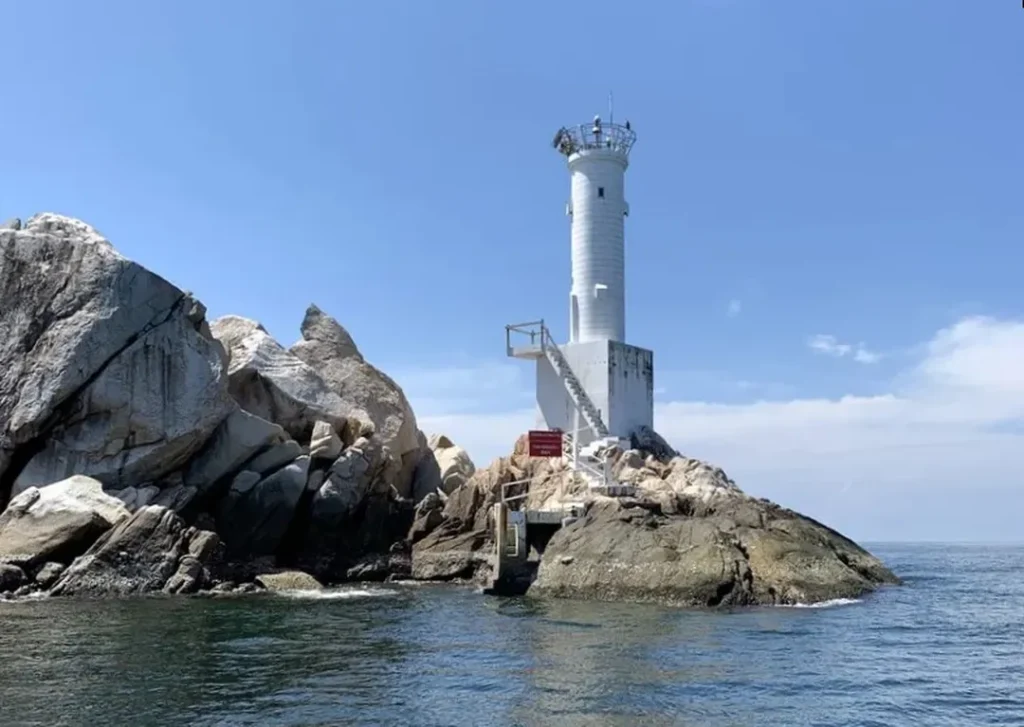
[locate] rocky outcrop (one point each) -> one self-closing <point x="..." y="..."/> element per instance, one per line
<point x="151" y="551"/>
<point x="741" y="552"/>
<point x="95" y="351"/>
<point x="689" y="537"/>
<point x="273" y="384"/>
<point x="57" y="523"/>
<point x="354" y="511"/>
<point x="368" y="393"/>
<point x="461" y="544"/>
<point x="108" y="370"/>
<point x="444" y="467"/>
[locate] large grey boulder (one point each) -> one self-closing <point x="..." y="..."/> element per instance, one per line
<point x="744" y="552"/>
<point x="254" y="516"/>
<point x="58" y="522"/>
<point x="238" y="438"/>
<point x="103" y="367"/>
<point x="271" y="383"/>
<point x="140" y="555"/>
<point x="368" y="392"/>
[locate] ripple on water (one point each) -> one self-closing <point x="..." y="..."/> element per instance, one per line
<point x="939" y="651"/>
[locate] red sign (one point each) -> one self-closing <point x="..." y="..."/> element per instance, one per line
<point x="545" y="443"/>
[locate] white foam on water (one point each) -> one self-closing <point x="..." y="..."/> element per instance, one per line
<point x="338" y="594"/>
<point x="831" y="603"/>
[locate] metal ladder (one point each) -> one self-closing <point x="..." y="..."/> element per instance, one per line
<point x="577" y="393"/>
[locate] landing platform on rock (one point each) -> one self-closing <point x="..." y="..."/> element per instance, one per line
<point x="555" y="515"/>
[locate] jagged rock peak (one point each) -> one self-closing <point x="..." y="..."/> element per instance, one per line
<point x="318" y="326"/>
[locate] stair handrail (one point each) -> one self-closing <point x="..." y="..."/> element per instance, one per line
<point x="603" y="475"/>
<point x="548" y="342"/>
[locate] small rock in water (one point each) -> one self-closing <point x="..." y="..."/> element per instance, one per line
<point x="11" y="577"/>
<point x="289" y="581"/>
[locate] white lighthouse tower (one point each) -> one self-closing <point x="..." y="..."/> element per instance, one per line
<point x="596" y="386"/>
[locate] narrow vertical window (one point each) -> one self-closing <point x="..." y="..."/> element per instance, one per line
<point x="600" y="192"/>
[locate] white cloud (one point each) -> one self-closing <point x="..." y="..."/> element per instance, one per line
<point x="735" y="308"/>
<point x="939" y="455"/>
<point x="830" y="346"/>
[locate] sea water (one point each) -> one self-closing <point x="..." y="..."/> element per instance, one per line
<point x="945" y="649"/>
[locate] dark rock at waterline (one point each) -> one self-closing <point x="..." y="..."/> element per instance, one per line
<point x="11" y="577"/>
<point x="743" y="552"/>
<point x="149" y="551"/>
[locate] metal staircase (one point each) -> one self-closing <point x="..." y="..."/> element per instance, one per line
<point x="591" y="461"/>
<point x="577" y="393"/>
<point x="542" y="344"/>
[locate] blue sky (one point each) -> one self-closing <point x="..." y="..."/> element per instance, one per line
<point x="824" y="251"/>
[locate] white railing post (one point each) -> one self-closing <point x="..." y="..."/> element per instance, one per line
<point x="576" y="438"/>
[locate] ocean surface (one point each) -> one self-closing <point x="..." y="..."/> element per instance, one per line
<point x="945" y="649"/>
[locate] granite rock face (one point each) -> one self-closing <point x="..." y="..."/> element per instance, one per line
<point x="273" y="384"/>
<point x="95" y="350"/>
<point x="109" y="371"/>
<point x="369" y="393"/>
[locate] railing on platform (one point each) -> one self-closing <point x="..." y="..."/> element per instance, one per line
<point x="615" y="137"/>
<point x="534" y="329"/>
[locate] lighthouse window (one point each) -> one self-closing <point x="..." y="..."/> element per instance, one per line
<point x="600" y="192"/>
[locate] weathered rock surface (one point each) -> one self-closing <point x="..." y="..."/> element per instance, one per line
<point x="238" y="438"/>
<point x="268" y="381"/>
<point x="108" y="370"/>
<point x="49" y="574"/>
<point x="325" y="442"/>
<point x="741" y="552"/>
<point x="58" y="522"/>
<point x="354" y="512"/>
<point x="289" y="581"/>
<point x="444" y="466"/>
<point x="94" y="350"/>
<point x="11" y="578"/>
<point x="254" y="516"/>
<point x="428" y="516"/>
<point x="460" y="546"/>
<point x="275" y="457"/>
<point x="141" y="555"/>
<point x="368" y="392"/>
<point x="690" y="537"/>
